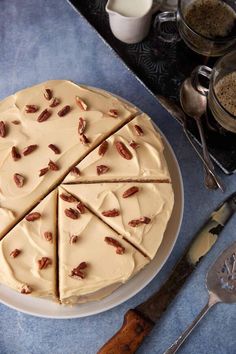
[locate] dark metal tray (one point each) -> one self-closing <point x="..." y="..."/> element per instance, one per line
<point x="162" y="67"/>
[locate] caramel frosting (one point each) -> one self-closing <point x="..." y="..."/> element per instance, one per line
<point x="151" y="200"/>
<point x="28" y="252"/>
<point x="201" y="246"/>
<point x="80" y="118"/>
<point x="145" y="160"/>
<point x="207" y="238"/>
<point x="107" y="231"/>
<point x="94" y="259"/>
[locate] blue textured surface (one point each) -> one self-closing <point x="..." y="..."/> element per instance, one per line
<point x="43" y="40"/>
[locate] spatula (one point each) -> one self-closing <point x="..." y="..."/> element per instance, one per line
<point x="221" y="284"/>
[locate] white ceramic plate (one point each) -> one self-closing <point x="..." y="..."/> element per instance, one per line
<point x="46" y="308"/>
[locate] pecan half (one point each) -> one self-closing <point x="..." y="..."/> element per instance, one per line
<point x="44" y="262"/>
<point x="113" y="113"/>
<point x="15" y="253"/>
<point x="138" y="130"/>
<point x="48" y="236"/>
<point x="15" y="153"/>
<point x="33" y="216"/>
<point x="64" y="111"/>
<point x="112" y="242"/>
<point x="53" y="166"/>
<point x="82" y="125"/>
<point x="140" y="221"/>
<point x="27" y="150"/>
<point x="31" y="108"/>
<point x="54" y="148"/>
<point x="133" y="144"/>
<point x="26" y="289"/>
<point x="84" y="140"/>
<point x="111" y="213"/>
<point x="123" y="150"/>
<point x="43" y="171"/>
<point x="55" y="102"/>
<point x="19" y="180"/>
<point x="130" y="192"/>
<point x="73" y="239"/>
<point x="48" y="94"/>
<point x="81" y="103"/>
<point x="15" y="122"/>
<point x="44" y="115"/>
<point x="77" y="274"/>
<point x="78" y="271"/>
<point x="68" y="198"/>
<point x="3" y="129"/>
<point x="101" y="169"/>
<point x="80" y="206"/>
<point x="72" y="213"/>
<point x="103" y="148"/>
<point x="75" y="171"/>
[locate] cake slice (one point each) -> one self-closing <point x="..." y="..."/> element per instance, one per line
<point x="94" y="259"/>
<point x="138" y="211"/>
<point x="135" y="152"/>
<point x="44" y="131"/>
<point x="28" y="252"/>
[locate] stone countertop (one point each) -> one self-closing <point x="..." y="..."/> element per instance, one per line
<point x="43" y="40"/>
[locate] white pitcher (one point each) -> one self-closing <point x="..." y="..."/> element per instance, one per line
<point x="130" y="20"/>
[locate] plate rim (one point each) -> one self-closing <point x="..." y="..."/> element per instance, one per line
<point x="139" y="288"/>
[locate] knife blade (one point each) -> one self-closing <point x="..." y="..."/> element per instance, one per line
<point x="138" y="322"/>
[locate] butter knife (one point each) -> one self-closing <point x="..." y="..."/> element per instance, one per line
<point x="138" y="322"/>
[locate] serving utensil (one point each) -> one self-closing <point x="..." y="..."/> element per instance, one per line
<point x="194" y="105"/>
<point x="221" y="285"/>
<point x="139" y="322"/>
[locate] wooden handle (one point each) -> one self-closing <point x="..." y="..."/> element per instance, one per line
<point x="131" y="335"/>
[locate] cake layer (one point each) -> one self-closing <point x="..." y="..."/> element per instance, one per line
<point x="94" y="259"/>
<point x="135" y="152"/>
<point x="138" y="211"/>
<point x="44" y="131"/>
<point x="28" y="252"/>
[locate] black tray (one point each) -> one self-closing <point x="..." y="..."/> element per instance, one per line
<point x="162" y="67"/>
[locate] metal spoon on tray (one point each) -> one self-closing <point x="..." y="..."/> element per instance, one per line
<point x="194" y="105"/>
<point x="221" y="284"/>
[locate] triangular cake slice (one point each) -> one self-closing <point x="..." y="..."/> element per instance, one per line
<point x="28" y="252"/>
<point x="94" y="259"/>
<point x="135" y="152"/>
<point x="44" y="131"/>
<point x="138" y="211"/>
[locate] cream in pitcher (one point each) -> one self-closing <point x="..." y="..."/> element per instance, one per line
<point x="130" y="20"/>
<point x="130" y="8"/>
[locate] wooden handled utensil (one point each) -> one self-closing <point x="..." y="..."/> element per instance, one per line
<point x="139" y="322"/>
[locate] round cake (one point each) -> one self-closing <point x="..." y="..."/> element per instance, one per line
<point x="85" y="192"/>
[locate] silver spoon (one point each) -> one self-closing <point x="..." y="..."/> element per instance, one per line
<point x="194" y="105"/>
<point x="182" y="120"/>
<point x="221" y="284"/>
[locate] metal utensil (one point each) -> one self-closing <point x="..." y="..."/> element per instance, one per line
<point x="221" y="284"/>
<point x="179" y="114"/>
<point x="139" y="322"/>
<point x="182" y="119"/>
<point x="194" y="105"/>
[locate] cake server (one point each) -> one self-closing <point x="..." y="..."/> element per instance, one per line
<point x="221" y="285"/>
<point x="139" y="322"/>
